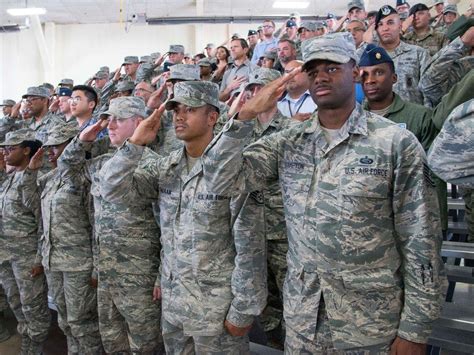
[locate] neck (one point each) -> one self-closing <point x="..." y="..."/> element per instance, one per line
<point x="195" y="148"/>
<point x="22" y="166"/>
<point x="335" y="118"/>
<point x="268" y="37"/>
<point x="382" y="104"/>
<point x="266" y="116"/>
<point x="391" y="46"/>
<point x="83" y="119"/>
<point x="68" y="116"/>
<point x="206" y="77"/>
<point x="296" y="93"/>
<point x="239" y="61"/>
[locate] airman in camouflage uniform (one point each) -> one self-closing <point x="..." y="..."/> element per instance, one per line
<point x="213" y="260"/>
<point x="274" y="221"/>
<point x="67" y="248"/>
<point x="409" y="60"/>
<point x="128" y="242"/>
<point x="364" y="236"/>
<point x="21" y="231"/>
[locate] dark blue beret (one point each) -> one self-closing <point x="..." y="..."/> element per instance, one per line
<point x="383" y="12"/>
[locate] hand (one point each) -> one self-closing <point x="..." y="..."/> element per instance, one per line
<point x="93" y="282"/>
<point x="156" y="293"/>
<point x="407" y="23"/>
<point x="237" y="104"/>
<point x="155" y="101"/>
<point x="267" y="97"/>
<point x="402" y="347"/>
<point x="368" y="35"/>
<point x="146" y="131"/>
<point x="301" y="116"/>
<point x="161" y="59"/>
<point x="236" y="331"/>
<point x="37" y="270"/>
<point x="91" y="132"/>
<point x="16" y="110"/>
<point x="54" y="105"/>
<point x="117" y="74"/>
<point x="3" y="164"/>
<point x="235" y="83"/>
<point x="36" y="162"/>
<point x="468" y="37"/>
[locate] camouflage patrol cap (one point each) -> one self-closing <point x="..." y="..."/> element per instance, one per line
<point x="19" y="136"/>
<point x="336" y="47"/>
<point x="270" y="55"/>
<point x="126" y="107"/>
<point x="8" y="102"/>
<point x="145" y="59"/>
<point x="61" y="133"/>
<point x="47" y="86"/>
<point x="204" y="62"/>
<point x="436" y="2"/>
<point x="130" y="59"/>
<point x="185" y="72"/>
<point x="176" y="48"/>
<point x="104" y="69"/>
<point x="36" y="91"/>
<point x="209" y="45"/>
<point x="66" y="81"/>
<point x="262" y="76"/>
<point x="194" y="94"/>
<point x="101" y="75"/>
<point x="125" y="85"/>
<point x="355" y="4"/>
<point x="450" y="8"/>
<point x="308" y="25"/>
<point x="155" y="55"/>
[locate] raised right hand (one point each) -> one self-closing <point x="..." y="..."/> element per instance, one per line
<point x="147" y="130"/>
<point x="90" y="133"/>
<point x="36" y="162"/>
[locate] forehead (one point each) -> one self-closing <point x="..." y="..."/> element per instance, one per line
<point x="78" y="93"/>
<point x="354" y="24"/>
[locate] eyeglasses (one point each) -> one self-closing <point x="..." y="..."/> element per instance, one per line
<point x="267" y="26"/>
<point x="356" y="29"/>
<point x="74" y="100"/>
<point x="29" y="100"/>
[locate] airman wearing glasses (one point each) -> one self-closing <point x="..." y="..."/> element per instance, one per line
<point x="357" y="29"/>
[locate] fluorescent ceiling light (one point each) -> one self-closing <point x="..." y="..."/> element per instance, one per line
<point x="290" y="4"/>
<point x="26" y="11"/>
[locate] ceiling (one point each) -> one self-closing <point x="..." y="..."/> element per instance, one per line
<point x="111" y="11"/>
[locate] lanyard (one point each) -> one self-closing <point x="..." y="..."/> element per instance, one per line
<point x="299" y="107"/>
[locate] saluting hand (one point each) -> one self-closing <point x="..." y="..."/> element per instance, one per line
<point x="90" y="133"/>
<point x="156" y="293"/>
<point x="37" y="270"/>
<point x="266" y="98"/>
<point x="36" y="162"/>
<point x="146" y="131"/>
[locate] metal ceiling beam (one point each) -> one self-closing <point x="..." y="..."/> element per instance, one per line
<point x="223" y="19"/>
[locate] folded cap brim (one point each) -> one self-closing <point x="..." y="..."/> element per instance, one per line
<point x="51" y="141"/>
<point x="333" y="57"/>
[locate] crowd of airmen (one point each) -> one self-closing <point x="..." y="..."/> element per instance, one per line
<point x="280" y="179"/>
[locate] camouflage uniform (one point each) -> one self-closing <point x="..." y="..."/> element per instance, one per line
<point x="67" y="252"/>
<point x="433" y="41"/>
<point x="363" y="229"/>
<point x="452" y="153"/>
<point x="21" y="231"/>
<point x="444" y="70"/>
<point x="213" y="260"/>
<point x="129" y="247"/>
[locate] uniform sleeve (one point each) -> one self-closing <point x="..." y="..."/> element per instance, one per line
<point x="249" y="277"/>
<point x="132" y="176"/>
<point x="31" y="200"/>
<point x="442" y="72"/>
<point x="107" y="92"/>
<point x="452" y="154"/>
<point x="232" y="169"/>
<point x="73" y="159"/>
<point x="418" y="237"/>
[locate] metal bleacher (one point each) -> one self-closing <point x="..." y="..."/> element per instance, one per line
<point x="454" y="330"/>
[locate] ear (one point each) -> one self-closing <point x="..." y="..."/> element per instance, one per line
<point x="212" y="118"/>
<point x="394" y="78"/>
<point x="91" y="104"/>
<point x="27" y="151"/>
<point x="355" y="73"/>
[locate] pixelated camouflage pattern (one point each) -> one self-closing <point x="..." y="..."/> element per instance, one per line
<point x="213" y="257"/>
<point x="262" y="76"/>
<point x="19" y="136"/>
<point x="353" y="237"/>
<point x="125" y="85"/>
<point x="130" y="59"/>
<point x="39" y="91"/>
<point x="184" y="72"/>
<point x="126" y="107"/>
<point x="337" y="47"/>
<point x="61" y="133"/>
<point x="451" y="155"/>
<point x="194" y="94"/>
<point x="444" y="70"/>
